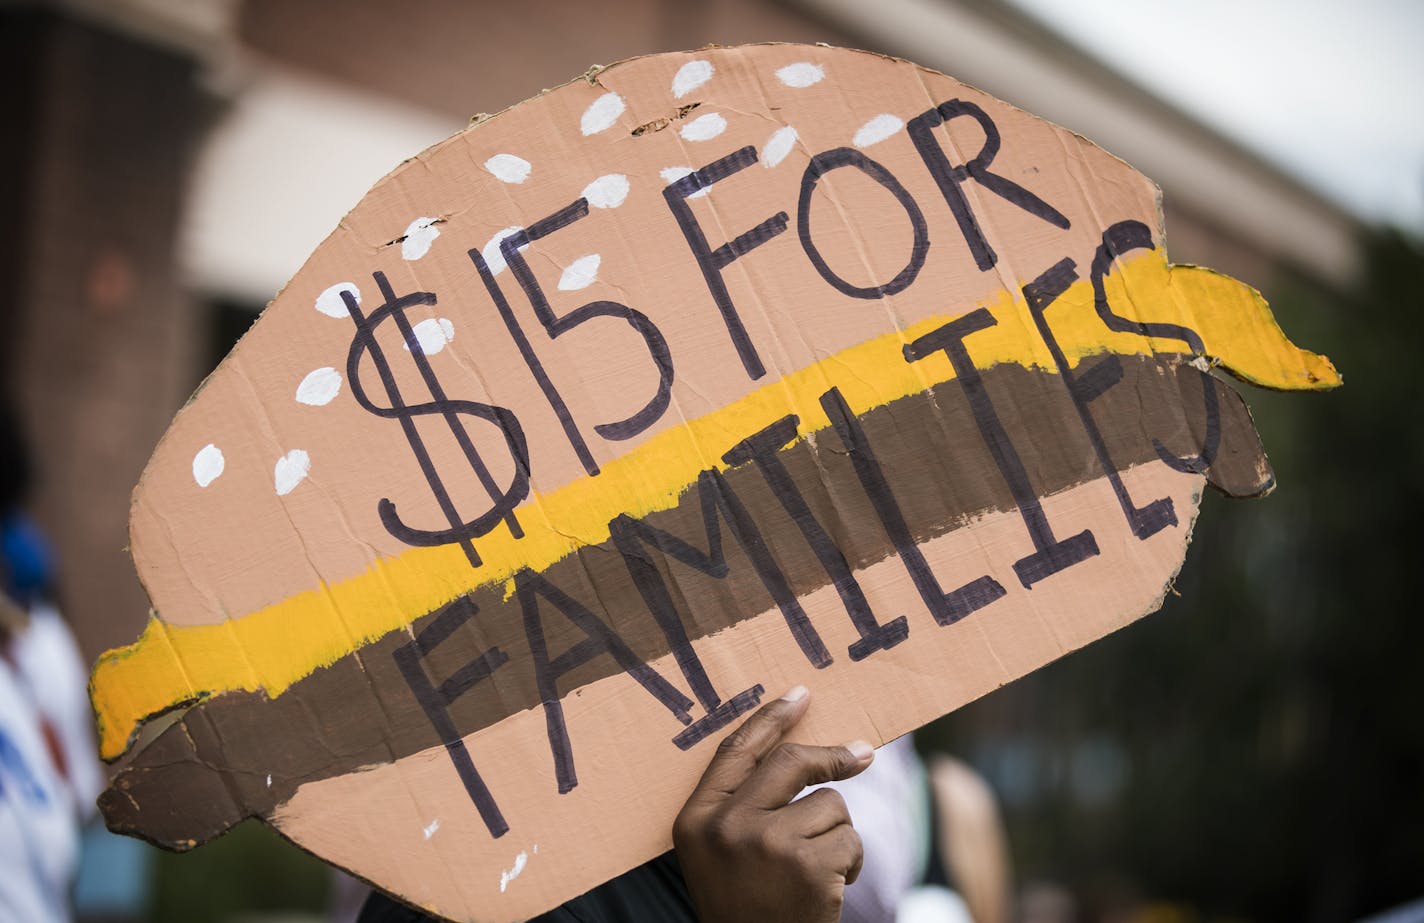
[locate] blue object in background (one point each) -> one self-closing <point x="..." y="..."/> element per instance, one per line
<point x="26" y="559"/>
<point x="114" y="877"/>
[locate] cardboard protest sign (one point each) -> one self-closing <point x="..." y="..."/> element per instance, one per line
<point x="620" y="412"/>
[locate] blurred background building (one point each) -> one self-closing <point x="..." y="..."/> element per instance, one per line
<point x="1246" y="754"/>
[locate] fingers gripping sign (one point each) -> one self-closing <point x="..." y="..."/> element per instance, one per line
<point x="748" y="851"/>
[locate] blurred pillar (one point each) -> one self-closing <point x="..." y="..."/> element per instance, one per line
<point x="98" y="352"/>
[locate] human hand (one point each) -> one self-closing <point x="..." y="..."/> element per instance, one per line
<point x="747" y="850"/>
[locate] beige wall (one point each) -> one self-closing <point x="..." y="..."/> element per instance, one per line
<point x="463" y="57"/>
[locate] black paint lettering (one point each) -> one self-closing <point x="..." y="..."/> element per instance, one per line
<point x="947" y="608"/>
<point x="1050" y="555"/>
<point x="503" y="500"/>
<point x="1123" y="238"/>
<point x="598" y="640"/>
<point x="761" y="448"/>
<point x="632" y="537"/>
<point x="824" y="163"/>
<point x="951" y="179"/>
<point x="718" y="501"/>
<point x="435" y="700"/>
<point x="713" y="262"/>
<point x="557" y="325"/>
<point x="1147" y="520"/>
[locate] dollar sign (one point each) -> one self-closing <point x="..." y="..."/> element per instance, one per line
<point x="503" y="500"/>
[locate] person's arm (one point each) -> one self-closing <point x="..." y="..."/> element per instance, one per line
<point x="749" y="852"/>
<point x="972" y="839"/>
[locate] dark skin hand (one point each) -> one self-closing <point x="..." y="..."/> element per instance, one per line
<point x="747" y="850"/>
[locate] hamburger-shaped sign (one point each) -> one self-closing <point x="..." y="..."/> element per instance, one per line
<point x="616" y="414"/>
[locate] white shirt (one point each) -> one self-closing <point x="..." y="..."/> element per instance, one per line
<point x="39" y="830"/>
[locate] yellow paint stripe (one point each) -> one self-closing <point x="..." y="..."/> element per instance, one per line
<point x="275" y="646"/>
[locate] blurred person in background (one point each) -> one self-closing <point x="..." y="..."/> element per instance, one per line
<point x="935" y="849"/>
<point x="49" y="773"/>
